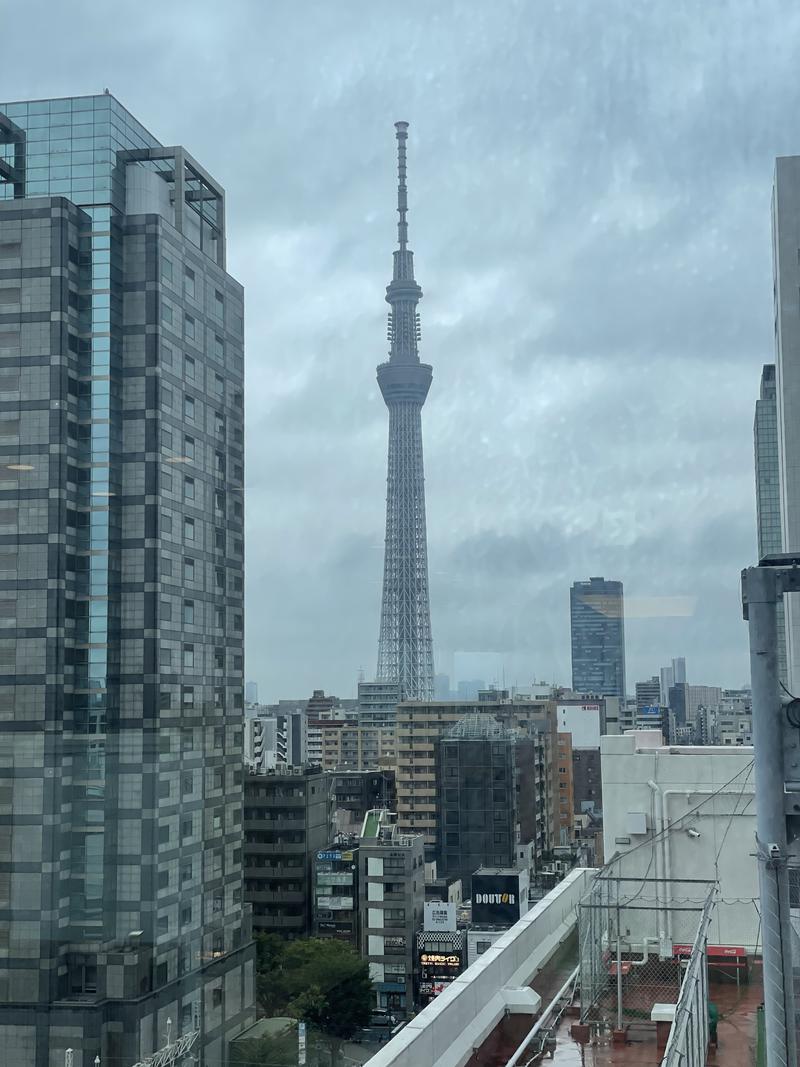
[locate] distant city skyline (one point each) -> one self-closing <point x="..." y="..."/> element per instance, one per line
<point x="542" y="460"/>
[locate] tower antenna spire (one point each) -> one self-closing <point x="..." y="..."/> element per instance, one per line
<point x="402" y="197"/>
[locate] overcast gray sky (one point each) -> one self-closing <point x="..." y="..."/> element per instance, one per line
<point x="589" y="188"/>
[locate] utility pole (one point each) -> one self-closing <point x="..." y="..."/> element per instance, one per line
<point x="776" y="747"/>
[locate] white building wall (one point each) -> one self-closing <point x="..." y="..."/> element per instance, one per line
<point x="706" y="796"/>
<point x="582" y="721"/>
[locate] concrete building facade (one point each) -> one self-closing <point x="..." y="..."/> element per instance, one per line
<point x="492" y="802"/>
<point x="421" y="724"/>
<point x="391" y="868"/>
<point x="286" y="822"/>
<point x="360" y="748"/>
<point x="689" y="813"/>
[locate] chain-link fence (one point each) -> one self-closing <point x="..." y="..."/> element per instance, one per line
<point x="635" y="935"/>
<point x="688" y="1039"/>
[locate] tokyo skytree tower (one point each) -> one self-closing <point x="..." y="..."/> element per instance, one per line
<point x="405" y="647"/>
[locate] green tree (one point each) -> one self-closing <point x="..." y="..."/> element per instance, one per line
<point x="271" y="994"/>
<point x="321" y="981"/>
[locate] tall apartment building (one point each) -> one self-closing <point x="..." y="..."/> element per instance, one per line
<point x="768" y="488"/>
<point x="421" y="724"/>
<point x="597" y="628"/>
<point x="492" y="798"/>
<point x="286" y="821"/>
<point x="121" y="550"/>
<point x="377" y="703"/>
<point x="391" y="868"/>
<point x="346" y="744"/>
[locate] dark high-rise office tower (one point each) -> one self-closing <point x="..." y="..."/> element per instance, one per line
<point x="768" y="489"/>
<point x="597" y="624"/>
<point x="405" y="647"/>
<point x="121" y="603"/>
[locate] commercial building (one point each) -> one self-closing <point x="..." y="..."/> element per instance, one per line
<point x="582" y="721"/>
<point x="702" y="696"/>
<point x="286" y="822"/>
<point x="391" y="868"/>
<point x="500" y="897"/>
<point x="597" y="627"/>
<point x="492" y="799"/>
<point x="336" y="900"/>
<point x="604" y="714"/>
<point x="121" y="549"/>
<point x="421" y="724"/>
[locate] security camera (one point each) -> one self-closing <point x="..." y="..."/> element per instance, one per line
<point x="692" y="832"/>
<point x="774" y="851"/>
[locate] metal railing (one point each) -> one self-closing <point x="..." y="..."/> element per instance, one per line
<point x="687" y="1045"/>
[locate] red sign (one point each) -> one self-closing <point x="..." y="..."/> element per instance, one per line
<point x="730" y="951"/>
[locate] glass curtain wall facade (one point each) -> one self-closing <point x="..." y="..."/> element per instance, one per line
<point x="121" y="604"/>
<point x="597" y="626"/>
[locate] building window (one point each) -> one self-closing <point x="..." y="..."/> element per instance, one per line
<point x="188" y="327"/>
<point x="188" y="447"/>
<point x="188" y="529"/>
<point x="188" y="657"/>
<point x="188" y="409"/>
<point x="188" y="367"/>
<point x="219" y="385"/>
<point x="219" y="305"/>
<point x="166" y="269"/>
<point x="188" y="281"/>
<point x="188" y="488"/>
<point x="482" y="946"/>
<point x="188" y="569"/>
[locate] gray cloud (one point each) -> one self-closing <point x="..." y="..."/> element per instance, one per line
<point x="589" y="191"/>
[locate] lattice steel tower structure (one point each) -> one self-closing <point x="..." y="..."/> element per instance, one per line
<point x="405" y="647"/>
